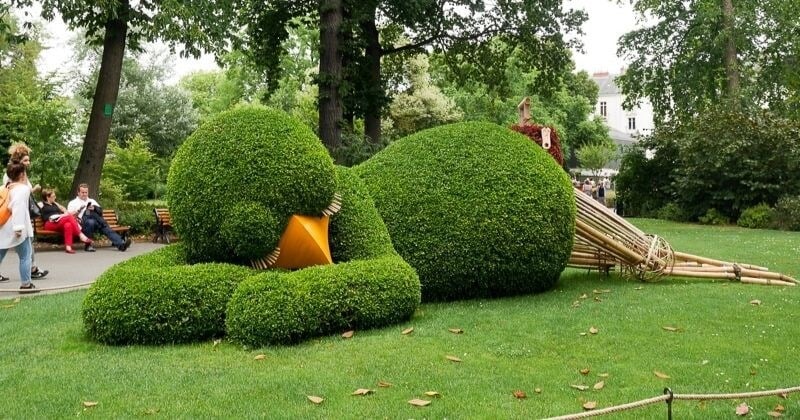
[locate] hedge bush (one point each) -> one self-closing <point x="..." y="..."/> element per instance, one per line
<point x="275" y="307"/>
<point x="253" y="164"/>
<point x="787" y="213"/>
<point x="143" y="302"/>
<point x="477" y="209"/>
<point x="357" y="231"/>
<point x="756" y="217"/>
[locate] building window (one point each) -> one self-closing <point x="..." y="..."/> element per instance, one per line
<point x="632" y="123"/>
<point x="603" y="109"/>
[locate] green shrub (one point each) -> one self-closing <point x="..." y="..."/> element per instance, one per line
<point x="756" y="217"/>
<point x="714" y="217"/>
<point x="357" y="232"/>
<point x="241" y="160"/>
<point x="275" y="307"/>
<point x="475" y="208"/>
<point x="672" y="211"/>
<point x="141" y="220"/>
<point x="142" y="301"/>
<point x="787" y="213"/>
<point x="355" y="148"/>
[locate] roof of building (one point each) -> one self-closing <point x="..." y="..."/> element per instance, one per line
<point x="605" y="81"/>
<point x="620" y="138"/>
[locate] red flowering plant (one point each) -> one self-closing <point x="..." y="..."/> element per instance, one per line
<point x="534" y="132"/>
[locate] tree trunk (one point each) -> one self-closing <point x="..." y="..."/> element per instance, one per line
<point x="330" y="73"/>
<point x="731" y="61"/>
<point x="93" y="154"/>
<point x="372" y="115"/>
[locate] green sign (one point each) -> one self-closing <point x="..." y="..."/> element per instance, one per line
<point x="108" y="110"/>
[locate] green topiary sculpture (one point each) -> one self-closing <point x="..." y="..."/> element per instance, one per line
<point x="476" y="209"/>
<point x="236" y="180"/>
<point x="233" y="186"/>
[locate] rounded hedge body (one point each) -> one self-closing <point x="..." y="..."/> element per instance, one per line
<point x="274" y="307"/>
<point x="477" y="209"/>
<point x="239" y="177"/>
<point x="143" y="302"/>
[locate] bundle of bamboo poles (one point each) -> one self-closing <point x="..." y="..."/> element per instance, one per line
<point x="604" y="240"/>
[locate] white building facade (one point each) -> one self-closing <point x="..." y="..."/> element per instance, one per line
<point x="638" y="121"/>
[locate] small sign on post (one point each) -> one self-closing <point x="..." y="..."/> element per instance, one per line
<point x="546" y="138"/>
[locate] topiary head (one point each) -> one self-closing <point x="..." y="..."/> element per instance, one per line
<point x="234" y="183"/>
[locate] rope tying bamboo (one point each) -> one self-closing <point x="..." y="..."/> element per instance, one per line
<point x="671" y="396"/>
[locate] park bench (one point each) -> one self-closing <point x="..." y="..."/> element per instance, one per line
<point x="163" y="225"/>
<point x="109" y="215"/>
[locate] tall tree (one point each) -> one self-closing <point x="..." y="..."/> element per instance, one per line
<point x="117" y="24"/>
<point x="695" y="53"/>
<point x="374" y="29"/>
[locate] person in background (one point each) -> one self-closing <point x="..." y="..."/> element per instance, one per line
<point x="56" y="218"/>
<point x="587" y="187"/>
<point x="88" y="212"/>
<point x="22" y="153"/>
<point x="17" y="231"/>
<point x="601" y="193"/>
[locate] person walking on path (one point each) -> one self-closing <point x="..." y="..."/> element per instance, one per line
<point x="17" y="231"/>
<point x="22" y="153"/>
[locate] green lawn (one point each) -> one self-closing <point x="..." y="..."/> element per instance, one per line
<point x="723" y="343"/>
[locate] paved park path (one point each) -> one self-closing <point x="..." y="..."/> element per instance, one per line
<point x="67" y="271"/>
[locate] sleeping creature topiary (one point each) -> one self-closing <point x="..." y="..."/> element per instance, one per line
<point x="476" y="209"/>
<point x="234" y="184"/>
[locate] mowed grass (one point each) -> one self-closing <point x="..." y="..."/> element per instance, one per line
<point x="723" y="344"/>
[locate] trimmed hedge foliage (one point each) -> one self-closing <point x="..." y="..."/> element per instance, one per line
<point x="157" y="298"/>
<point x="285" y="308"/>
<point x="477" y="209"/>
<point x="357" y="231"/>
<point x="239" y="178"/>
<point x="144" y="301"/>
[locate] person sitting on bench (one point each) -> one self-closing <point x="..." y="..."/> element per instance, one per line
<point x="56" y="218"/>
<point x="90" y="215"/>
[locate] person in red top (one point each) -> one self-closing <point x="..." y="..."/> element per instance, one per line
<point x="57" y="218"/>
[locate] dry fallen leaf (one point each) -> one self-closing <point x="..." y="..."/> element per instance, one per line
<point x="783" y="395"/>
<point x="384" y="384"/>
<point x="742" y="409"/>
<point x="597" y="299"/>
<point x="314" y="399"/>
<point x="582" y="334"/>
<point x="603" y="375"/>
<point x="348" y="334"/>
<point x="433" y="394"/>
<point x="576" y="304"/>
<point x="593" y="330"/>
<point x="7" y="306"/>
<point x="661" y="374"/>
<point x="407" y="331"/>
<point x="216" y="342"/>
<point x="453" y="358"/>
<point x="580" y="387"/>
<point x="362" y="391"/>
<point x="638" y="288"/>
<point x="260" y="357"/>
<point x="537" y="390"/>
<point x="89" y="403"/>
<point x="673" y="329"/>
<point x="755" y="302"/>
<point x="418" y="402"/>
<point x="599" y="385"/>
<point x="597" y="292"/>
<point x="456" y="330"/>
<point x="519" y="395"/>
<point x="17" y="300"/>
<point x="151" y="411"/>
<point x="584" y="296"/>
<point x="779" y="408"/>
<point x="590" y="405"/>
<point x="774" y="414"/>
<point x="584" y="371"/>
